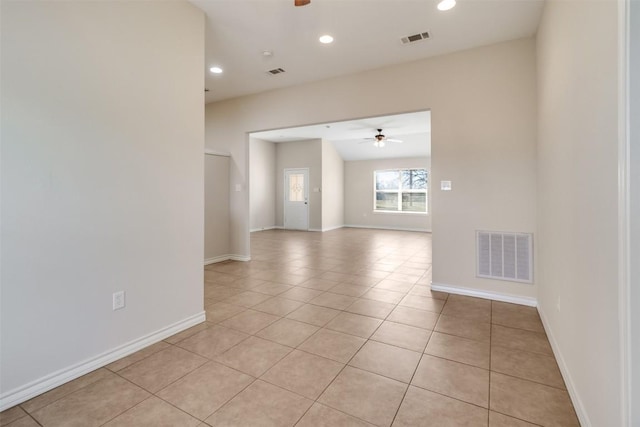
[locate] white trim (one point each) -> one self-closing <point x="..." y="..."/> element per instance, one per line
<point x="400" y="213"/>
<point x="217" y="259"/>
<point x="624" y="205"/>
<point x="376" y="227"/>
<point x="62" y="376"/>
<point x="227" y="257"/>
<point x="253" y="230"/>
<point x="479" y="293"/>
<point x="277" y="227"/>
<point x="575" y="398"/>
<point x="332" y="228"/>
<point x="216" y="153"/>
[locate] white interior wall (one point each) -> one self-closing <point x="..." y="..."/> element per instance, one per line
<point x="359" y="195"/>
<point x="300" y="154"/>
<point x="332" y="187"/>
<point x="483" y="104"/>
<point x="102" y="181"/>
<point x="577" y="201"/>
<point x="262" y="184"/>
<point x="216" y="208"/>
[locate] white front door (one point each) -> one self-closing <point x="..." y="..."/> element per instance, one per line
<point x="296" y="199"/>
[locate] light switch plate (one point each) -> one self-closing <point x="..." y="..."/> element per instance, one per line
<point x="445" y="185"/>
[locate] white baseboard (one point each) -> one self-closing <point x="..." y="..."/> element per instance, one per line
<point x="332" y="228"/>
<point x="217" y="259"/>
<point x="575" y="398"/>
<point x="314" y="230"/>
<point x="322" y="230"/>
<point x="273" y="227"/>
<point x="279" y="227"/>
<point x="62" y="376"/>
<point x="459" y="290"/>
<point x="375" y="227"/>
<point x="222" y="258"/>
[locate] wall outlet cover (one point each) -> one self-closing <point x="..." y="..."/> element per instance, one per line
<point x="118" y="300"/>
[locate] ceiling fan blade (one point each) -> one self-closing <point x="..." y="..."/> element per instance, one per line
<point x="393" y="140"/>
<point x="301" y="2"/>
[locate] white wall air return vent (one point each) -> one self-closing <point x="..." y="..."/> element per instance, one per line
<point x="276" y="71"/>
<point x="505" y="256"/>
<point x="415" y="37"/>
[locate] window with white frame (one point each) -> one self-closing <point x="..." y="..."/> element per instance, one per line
<point x="400" y="190"/>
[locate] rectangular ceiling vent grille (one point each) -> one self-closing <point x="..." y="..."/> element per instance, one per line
<point x="415" y="38"/>
<point x="276" y="71"/>
<point x="504" y="256"/>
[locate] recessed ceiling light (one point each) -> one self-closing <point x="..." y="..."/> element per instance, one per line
<point x="216" y="70"/>
<point x="446" y="4"/>
<point x="326" y="39"/>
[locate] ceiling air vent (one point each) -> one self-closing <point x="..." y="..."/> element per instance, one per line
<point x="415" y="38"/>
<point x="276" y="71"/>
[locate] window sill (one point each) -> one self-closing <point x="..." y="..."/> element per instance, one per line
<point x="400" y="213"/>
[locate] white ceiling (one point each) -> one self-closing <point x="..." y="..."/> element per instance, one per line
<point x="367" y="35"/>
<point x="352" y="138"/>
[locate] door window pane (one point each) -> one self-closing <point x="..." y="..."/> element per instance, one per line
<point x="296" y="187"/>
<point x="387" y="201"/>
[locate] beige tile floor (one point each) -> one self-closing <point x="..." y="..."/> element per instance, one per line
<point x="327" y="329"/>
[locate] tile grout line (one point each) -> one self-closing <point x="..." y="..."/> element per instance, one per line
<point x="178" y="379"/>
<point x="417" y="366"/>
<point x="349" y="361"/>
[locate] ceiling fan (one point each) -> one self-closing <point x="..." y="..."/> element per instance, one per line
<point x="301" y="2"/>
<point x="380" y="140"/>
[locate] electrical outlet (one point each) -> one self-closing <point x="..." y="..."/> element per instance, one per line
<point x="118" y="300"/>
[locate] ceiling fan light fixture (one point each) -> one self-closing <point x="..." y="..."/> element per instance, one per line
<point x="446" y="5"/>
<point x="216" y="70"/>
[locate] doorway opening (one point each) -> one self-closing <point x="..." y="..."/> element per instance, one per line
<point x="342" y="160"/>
